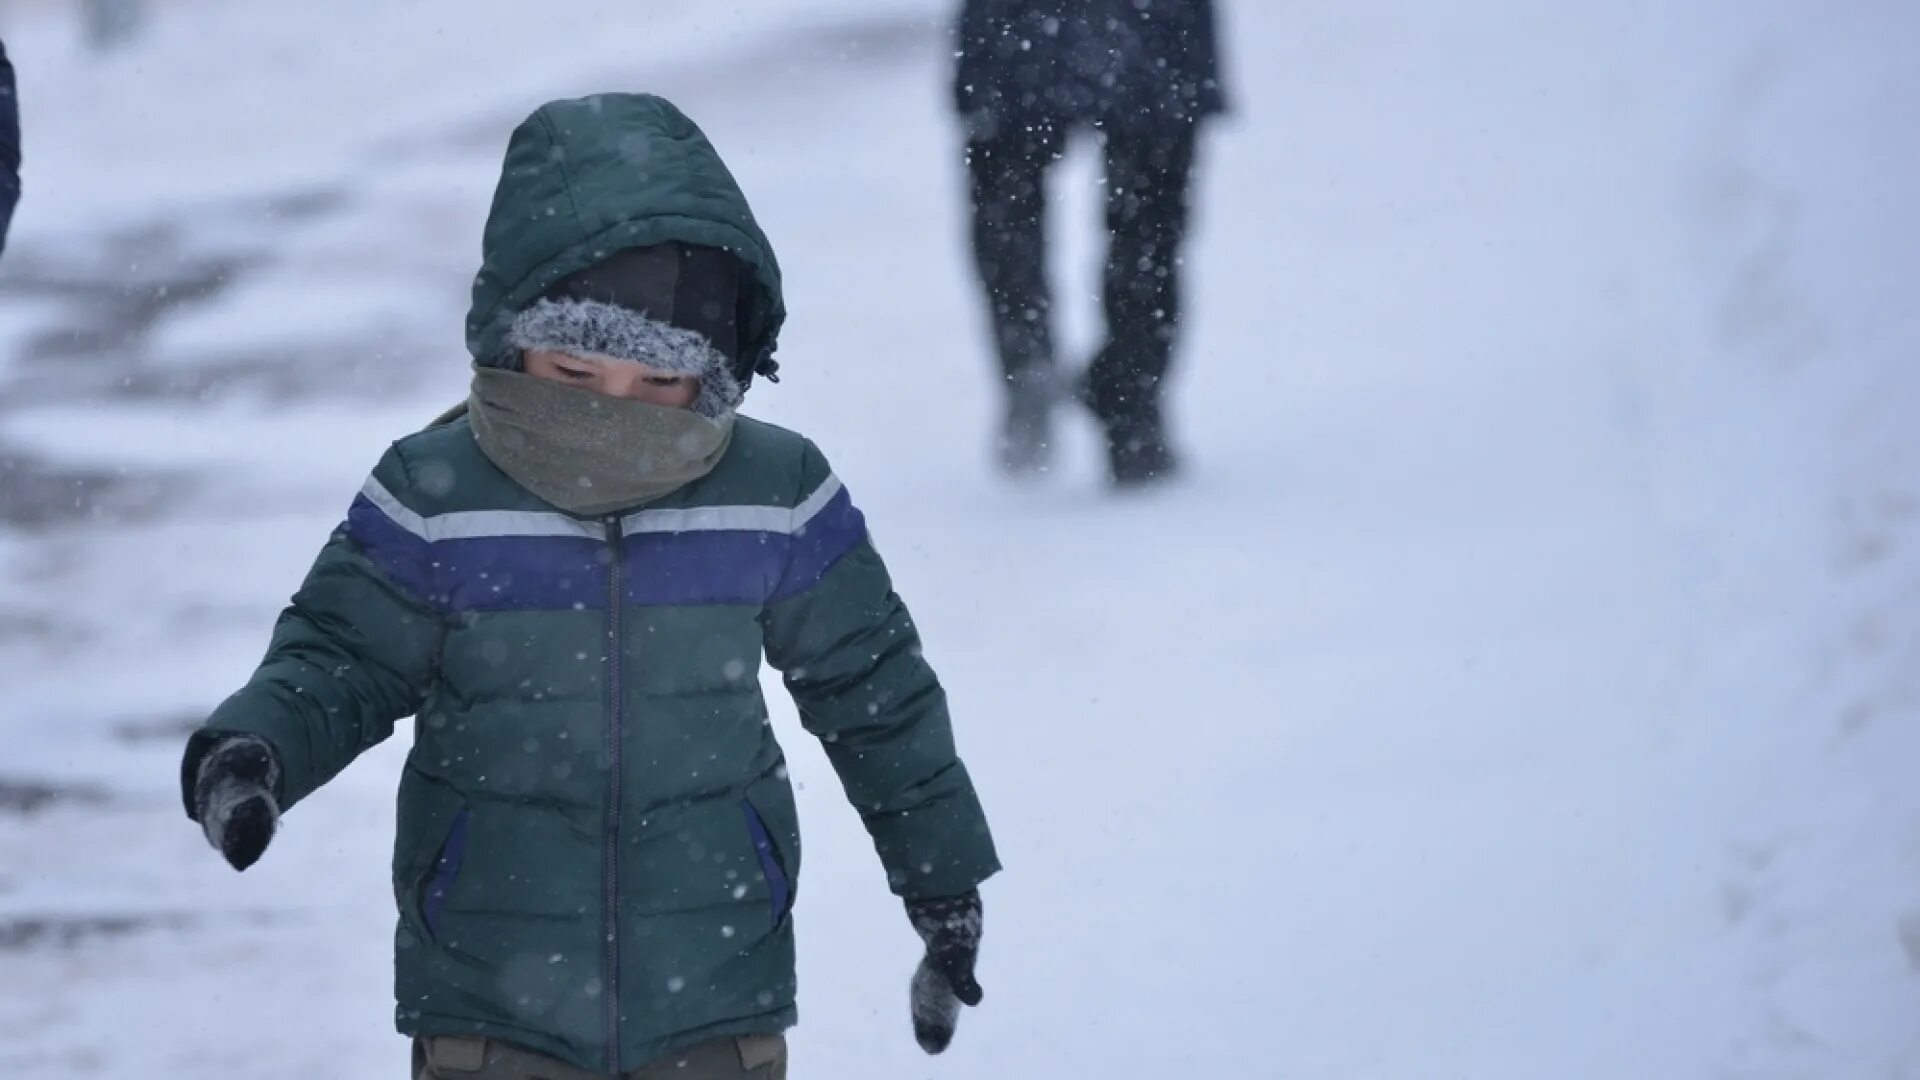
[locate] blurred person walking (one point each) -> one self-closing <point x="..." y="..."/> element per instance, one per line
<point x="9" y="145"/>
<point x="1142" y="75"/>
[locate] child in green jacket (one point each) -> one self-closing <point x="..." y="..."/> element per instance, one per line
<point x="569" y="584"/>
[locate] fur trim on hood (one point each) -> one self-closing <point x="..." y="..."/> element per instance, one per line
<point x="594" y="330"/>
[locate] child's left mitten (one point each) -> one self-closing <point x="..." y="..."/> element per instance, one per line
<point x="944" y="981"/>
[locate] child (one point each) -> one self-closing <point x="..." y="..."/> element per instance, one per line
<point x="569" y="586"/>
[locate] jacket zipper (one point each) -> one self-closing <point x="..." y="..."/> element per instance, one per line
<point x="610" y="871"/>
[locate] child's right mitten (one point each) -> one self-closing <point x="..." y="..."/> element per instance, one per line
<point x="233" y="798"/>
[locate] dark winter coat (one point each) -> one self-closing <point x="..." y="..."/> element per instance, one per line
<point x="598" y="848"/>
<point x="9" y="146"/>
<point x="1121" y="63"/>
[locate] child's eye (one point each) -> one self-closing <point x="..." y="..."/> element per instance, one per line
<point x="576" y="373"/>
<point x="664" y="380"/>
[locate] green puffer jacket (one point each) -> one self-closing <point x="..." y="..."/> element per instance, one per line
<point x="598" y="846"/>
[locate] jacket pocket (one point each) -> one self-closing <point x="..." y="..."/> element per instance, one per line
<point x="446" y="871"/>
<point x="779" y="880"/>
<point x="425" y="835"/>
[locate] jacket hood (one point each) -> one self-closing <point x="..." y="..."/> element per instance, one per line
<point x="587" y="177"/>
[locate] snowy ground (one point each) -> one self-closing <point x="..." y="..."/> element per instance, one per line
<point x="1524" y="684"/>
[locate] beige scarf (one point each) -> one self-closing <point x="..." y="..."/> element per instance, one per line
<point x="585" y="452"/>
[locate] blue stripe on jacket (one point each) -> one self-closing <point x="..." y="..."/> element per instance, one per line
<point x="546" y="573"/>
<point x="406" y="559"/>
<point x="838" y="528"/>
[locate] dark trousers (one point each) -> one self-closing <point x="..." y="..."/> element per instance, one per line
<point x="747" y="1057"/>
<point x="1148" y="174"/>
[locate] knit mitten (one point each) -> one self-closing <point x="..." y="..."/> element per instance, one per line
<point x="944" y="981"/>
<point x="233" y="798"/>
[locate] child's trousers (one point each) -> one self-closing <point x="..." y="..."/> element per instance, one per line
<point x="749" y="1057"/>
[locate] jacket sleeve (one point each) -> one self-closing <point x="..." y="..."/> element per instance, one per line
<point x="354" y="652"/>
<point x="9" y="146"/>
<point x="851" y="658"/>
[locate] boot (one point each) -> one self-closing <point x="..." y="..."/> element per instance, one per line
<point x="1130" y="417"/>
<point x="1026" y="435"/>
<point x="1137" y="450"/>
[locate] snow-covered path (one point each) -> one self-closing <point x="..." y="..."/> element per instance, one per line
<point x="1378" y="748"/>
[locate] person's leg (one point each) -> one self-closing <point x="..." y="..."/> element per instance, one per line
<point x="1007" y="184"/>
<point x="1148" y="174"/>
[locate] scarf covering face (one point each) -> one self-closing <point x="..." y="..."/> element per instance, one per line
<point x="588" y="453"/>
<point x="585" y="452"/>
